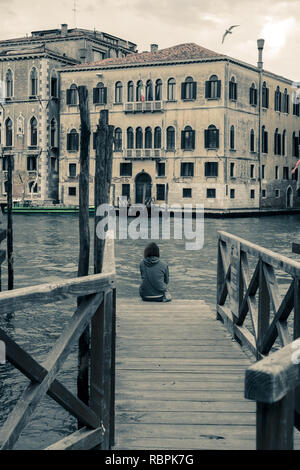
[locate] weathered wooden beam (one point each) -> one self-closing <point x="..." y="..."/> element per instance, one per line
<point x="36" y="373"/>
<point x="3" y="233"/>
<point x="84" y="439"/>
<point x="84" y="238"/>
<point x="264" y="306"/>
<point x="281" y="315"/>
<point x="274" y="259"/>
<point x="10" y="257"/>
<point x="297" y="335"/>
<point x="19" y="299"/>
<point x="296" y="247"/>
<point x="34" y="392"/>
<point x="103" y="175"/>
<point x="249" y="303"/>
<point x="272" y="378"/>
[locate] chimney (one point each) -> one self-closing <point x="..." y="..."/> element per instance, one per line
<point x="64" y="30"/>
<point x="153" y="47"/>
<point x="260" y="46"/>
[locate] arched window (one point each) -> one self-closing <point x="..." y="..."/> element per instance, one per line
<point x="171" y="94"/>
<point x="53" y="134"/>
<point x="283" y="147"/>
<point x="73" y="140"/>
<point x="158" y="90"/>
<point x="139" y="138"/>
<point x="189" y="89"/>
<point x="170" y="138"/>
<point x="33" y="82"/>
<point x="139" y="89"/>
<point x="130" y="91"/>
<point x="232" y="89"/>
<point x="277" y="143"/>
<point x="130" y="138"/>
<point x="118" y="139"/>
<point x="72" y="95"/>
<point x="9" y="84"/>
<point x="33" y="132"/>
<point x="213" y="88"/>
<point x="188" y="138"/>
<point x="264" y="140"/>
<point x="252" y="141"/>
<point x="118" y="92"/>
<point x="53" y="85"/>
<point x="148" y="138"/>
<point x="8" y="132"/>
<point x="265" y="96"/>
<point x="232" y="138"/>
<point x="277" y="99"/>
<point x="149" y="91"/>
<point x="295" y="145"/>
<point x="211" y="137"/>
<point x="286" y="102"/>
<point x="157" y="138"/>
<point x="100" y="94"/>
<point x="253" y="95"/>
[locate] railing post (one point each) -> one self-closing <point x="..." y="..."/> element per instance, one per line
<point x="263" y="310"/>
<point x="113" y="370"/>
<point x="297" y="335"/>
<point x="275" y="424"/>
<point x="220" y="276"/>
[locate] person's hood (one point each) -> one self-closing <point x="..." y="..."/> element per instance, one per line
<point x="150" y="261"/>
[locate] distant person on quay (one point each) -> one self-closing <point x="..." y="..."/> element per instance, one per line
<point x="155" y="276"/>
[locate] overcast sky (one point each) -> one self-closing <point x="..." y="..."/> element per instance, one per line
<point x="171" y="22"/>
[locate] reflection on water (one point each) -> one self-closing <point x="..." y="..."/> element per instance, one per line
<point x="46" y="250"/>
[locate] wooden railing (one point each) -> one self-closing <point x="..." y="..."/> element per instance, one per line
<point x="258" y="316"/>
<point x="97" y="308"/>
<point x="272" y="382"/>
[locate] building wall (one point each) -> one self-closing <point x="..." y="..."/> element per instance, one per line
<point x="239" y="191"/>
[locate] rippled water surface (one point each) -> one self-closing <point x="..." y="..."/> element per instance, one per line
<point x="46" y="250"/>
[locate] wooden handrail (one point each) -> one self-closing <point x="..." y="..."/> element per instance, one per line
<point x="255" y="296"/>
<point x="272" y="382"/>
<point x="273" y="377"/>
<point x="98" y="308"/>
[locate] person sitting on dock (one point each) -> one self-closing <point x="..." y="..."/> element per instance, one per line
<point x="155" y="276"/>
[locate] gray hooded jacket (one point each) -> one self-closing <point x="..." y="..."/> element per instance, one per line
<point x="155" y="277"/>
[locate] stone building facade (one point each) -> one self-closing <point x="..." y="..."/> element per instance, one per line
<point x="30" y="103"/>
<point x="191" y="126"/>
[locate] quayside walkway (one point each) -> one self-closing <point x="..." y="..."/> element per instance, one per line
<point x="180" y="379"/>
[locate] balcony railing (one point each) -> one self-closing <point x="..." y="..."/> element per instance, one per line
<point x="143" y="153"/>
<point x="143" y="106"/>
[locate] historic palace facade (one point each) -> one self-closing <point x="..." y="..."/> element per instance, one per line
<point x="191" y="126"/>
<point x="30" y="103"/>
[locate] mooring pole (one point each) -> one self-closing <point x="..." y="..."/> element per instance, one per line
<point x="84" y="238"/>
<point x="103" y="322"/>
<point x="10" y="259"/>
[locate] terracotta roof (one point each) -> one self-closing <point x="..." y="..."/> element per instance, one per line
<point x="180" y="52"/>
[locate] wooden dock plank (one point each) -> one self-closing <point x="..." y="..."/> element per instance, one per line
<point x="180" y="380"/>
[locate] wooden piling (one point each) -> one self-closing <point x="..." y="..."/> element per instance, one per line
<point x="84" y="238"/>
<point x="102" y="325"/>
<point x="10" y="259"/>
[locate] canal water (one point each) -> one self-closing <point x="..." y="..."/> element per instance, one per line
<point x="46" y="250"/>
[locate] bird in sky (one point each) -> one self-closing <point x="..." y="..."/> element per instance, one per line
<point x="228" y="31"/>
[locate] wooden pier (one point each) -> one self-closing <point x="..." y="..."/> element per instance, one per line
<point x="180" y="380"/>
<point x="174" y="375"/>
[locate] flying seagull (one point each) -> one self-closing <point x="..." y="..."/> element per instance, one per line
<point x="228" y="31"/>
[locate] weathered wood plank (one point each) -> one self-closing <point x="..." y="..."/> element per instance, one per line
<point x="183" y="406"/>
<point x="213" y="418"/>
<point x="30" y="398"/>
<point x="24" y="297"/>
<point x="270" y="257"/>
<point x="84" y="439"/>
<point x="270" y="379"/>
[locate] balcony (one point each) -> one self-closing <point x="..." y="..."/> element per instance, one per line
<point x="143" y="154"/>
<point x="143" y="107"/>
